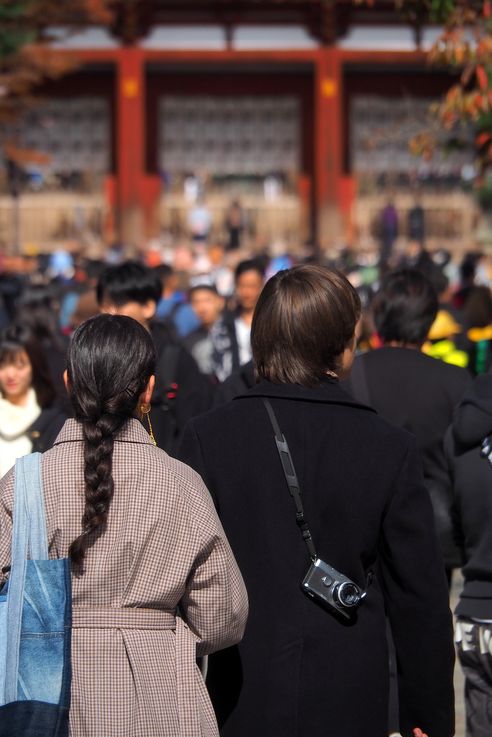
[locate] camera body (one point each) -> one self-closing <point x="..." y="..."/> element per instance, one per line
<point x="331" y="588"/>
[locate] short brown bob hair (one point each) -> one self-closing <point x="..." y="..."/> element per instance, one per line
<point x="303" y="321"/>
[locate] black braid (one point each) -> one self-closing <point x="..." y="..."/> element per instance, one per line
<point x="110" y="360"/>
<point x="99" y="484"/>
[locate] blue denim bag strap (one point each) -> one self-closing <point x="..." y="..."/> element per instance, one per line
<point x="28" y="520"/>
<point x="33" y="494"/>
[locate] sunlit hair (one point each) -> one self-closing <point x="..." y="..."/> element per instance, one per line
<point x="304" y="319"/>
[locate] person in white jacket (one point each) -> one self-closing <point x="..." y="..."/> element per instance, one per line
<point x="30" y="418"/>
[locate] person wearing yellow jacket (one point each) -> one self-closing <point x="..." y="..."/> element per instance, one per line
<point x="440" y="343"/>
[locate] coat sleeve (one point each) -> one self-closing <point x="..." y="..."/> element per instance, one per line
<point x="215" y="603"/>
<point x="417" y="602"/>
<point x="458" y="532"/>
<point x="6" y="506"/>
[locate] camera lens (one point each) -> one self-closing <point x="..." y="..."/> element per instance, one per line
<point x="348" y="594"/>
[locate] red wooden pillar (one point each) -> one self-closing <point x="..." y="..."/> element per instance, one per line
<point x="329" y="143"/>
<point x="130" y="145"/>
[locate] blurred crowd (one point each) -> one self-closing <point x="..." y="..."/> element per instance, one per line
<point x="198" y="300"/>
<point x="201" y="288"/>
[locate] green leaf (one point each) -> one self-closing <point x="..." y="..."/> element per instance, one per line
<point x="441" y="10"/>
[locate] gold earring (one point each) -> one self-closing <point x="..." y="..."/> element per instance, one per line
<point x="145" y="410"/>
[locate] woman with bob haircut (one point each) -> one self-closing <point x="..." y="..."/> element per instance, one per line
<point x="30" y="416"/>
<point x="303" y="667"/>
<point x="154" y="582"/>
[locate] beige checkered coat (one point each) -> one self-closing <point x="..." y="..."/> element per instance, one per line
<point x="164" y="550"/>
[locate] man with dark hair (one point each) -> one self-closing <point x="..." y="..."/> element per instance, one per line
<point x="131" y="289"/>
<point x="231" y="335"/>
<point x="405" y="308"/>
<point x="412" y="390"/>
<point x="181" y="391"/>
<point x="207" y="305"/>
<point x="415" y="392"/>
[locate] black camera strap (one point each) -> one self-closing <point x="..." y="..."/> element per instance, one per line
<point x="291" y="478"/>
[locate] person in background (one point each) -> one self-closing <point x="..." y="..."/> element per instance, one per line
<point x="237" y="383"/>
<point x="416" y="222"/>
<point x="154" y="581"/>
<point x="221" y="274"/>
<point x="471" y="274"/>
<point x="231" y="335"/>
<point x="477" y="315"/>
<point x="234" y="225"/>
<point x="80" y="303"/>
<point x="411" y="390"/>
<point x="173" y="307"/>
<point x="468" y="446"/>
<point x="207" y="305"/>
<point x="12" y="282"/>
<point x="440" y="343"/>
<point x="417" y="257"/>
<point x="441" y="282"/>
<point x="38" y="309"/>
<point x="181" y="391"/>
<point x="199" y="221"/>
<point x="303" y="669"/>
<point x="389" y="227"/>
<point x="30" y="416"/>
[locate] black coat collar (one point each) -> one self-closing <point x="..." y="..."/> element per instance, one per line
<point x="328" y="391"/>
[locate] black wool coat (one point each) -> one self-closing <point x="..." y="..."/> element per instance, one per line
<point x="301" y="671"/>
<point x="181" y="391"/>
<point x="419" y="394"/>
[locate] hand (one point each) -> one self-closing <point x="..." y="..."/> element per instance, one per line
<point x="418" y="733"/>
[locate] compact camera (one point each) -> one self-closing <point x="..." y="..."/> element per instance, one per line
<point x="330" y="587"/>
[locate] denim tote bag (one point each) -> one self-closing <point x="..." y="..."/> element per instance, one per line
<point x="35" y="620"/>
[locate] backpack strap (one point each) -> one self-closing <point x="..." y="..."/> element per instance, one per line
<point x="28" y="538"/>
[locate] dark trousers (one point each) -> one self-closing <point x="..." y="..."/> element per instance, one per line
<point x="474" y="641"/>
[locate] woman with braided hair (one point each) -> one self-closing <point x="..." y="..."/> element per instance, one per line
<point x="154" y="581"/>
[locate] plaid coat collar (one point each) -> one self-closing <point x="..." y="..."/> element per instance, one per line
<point x="131" y="432"/>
